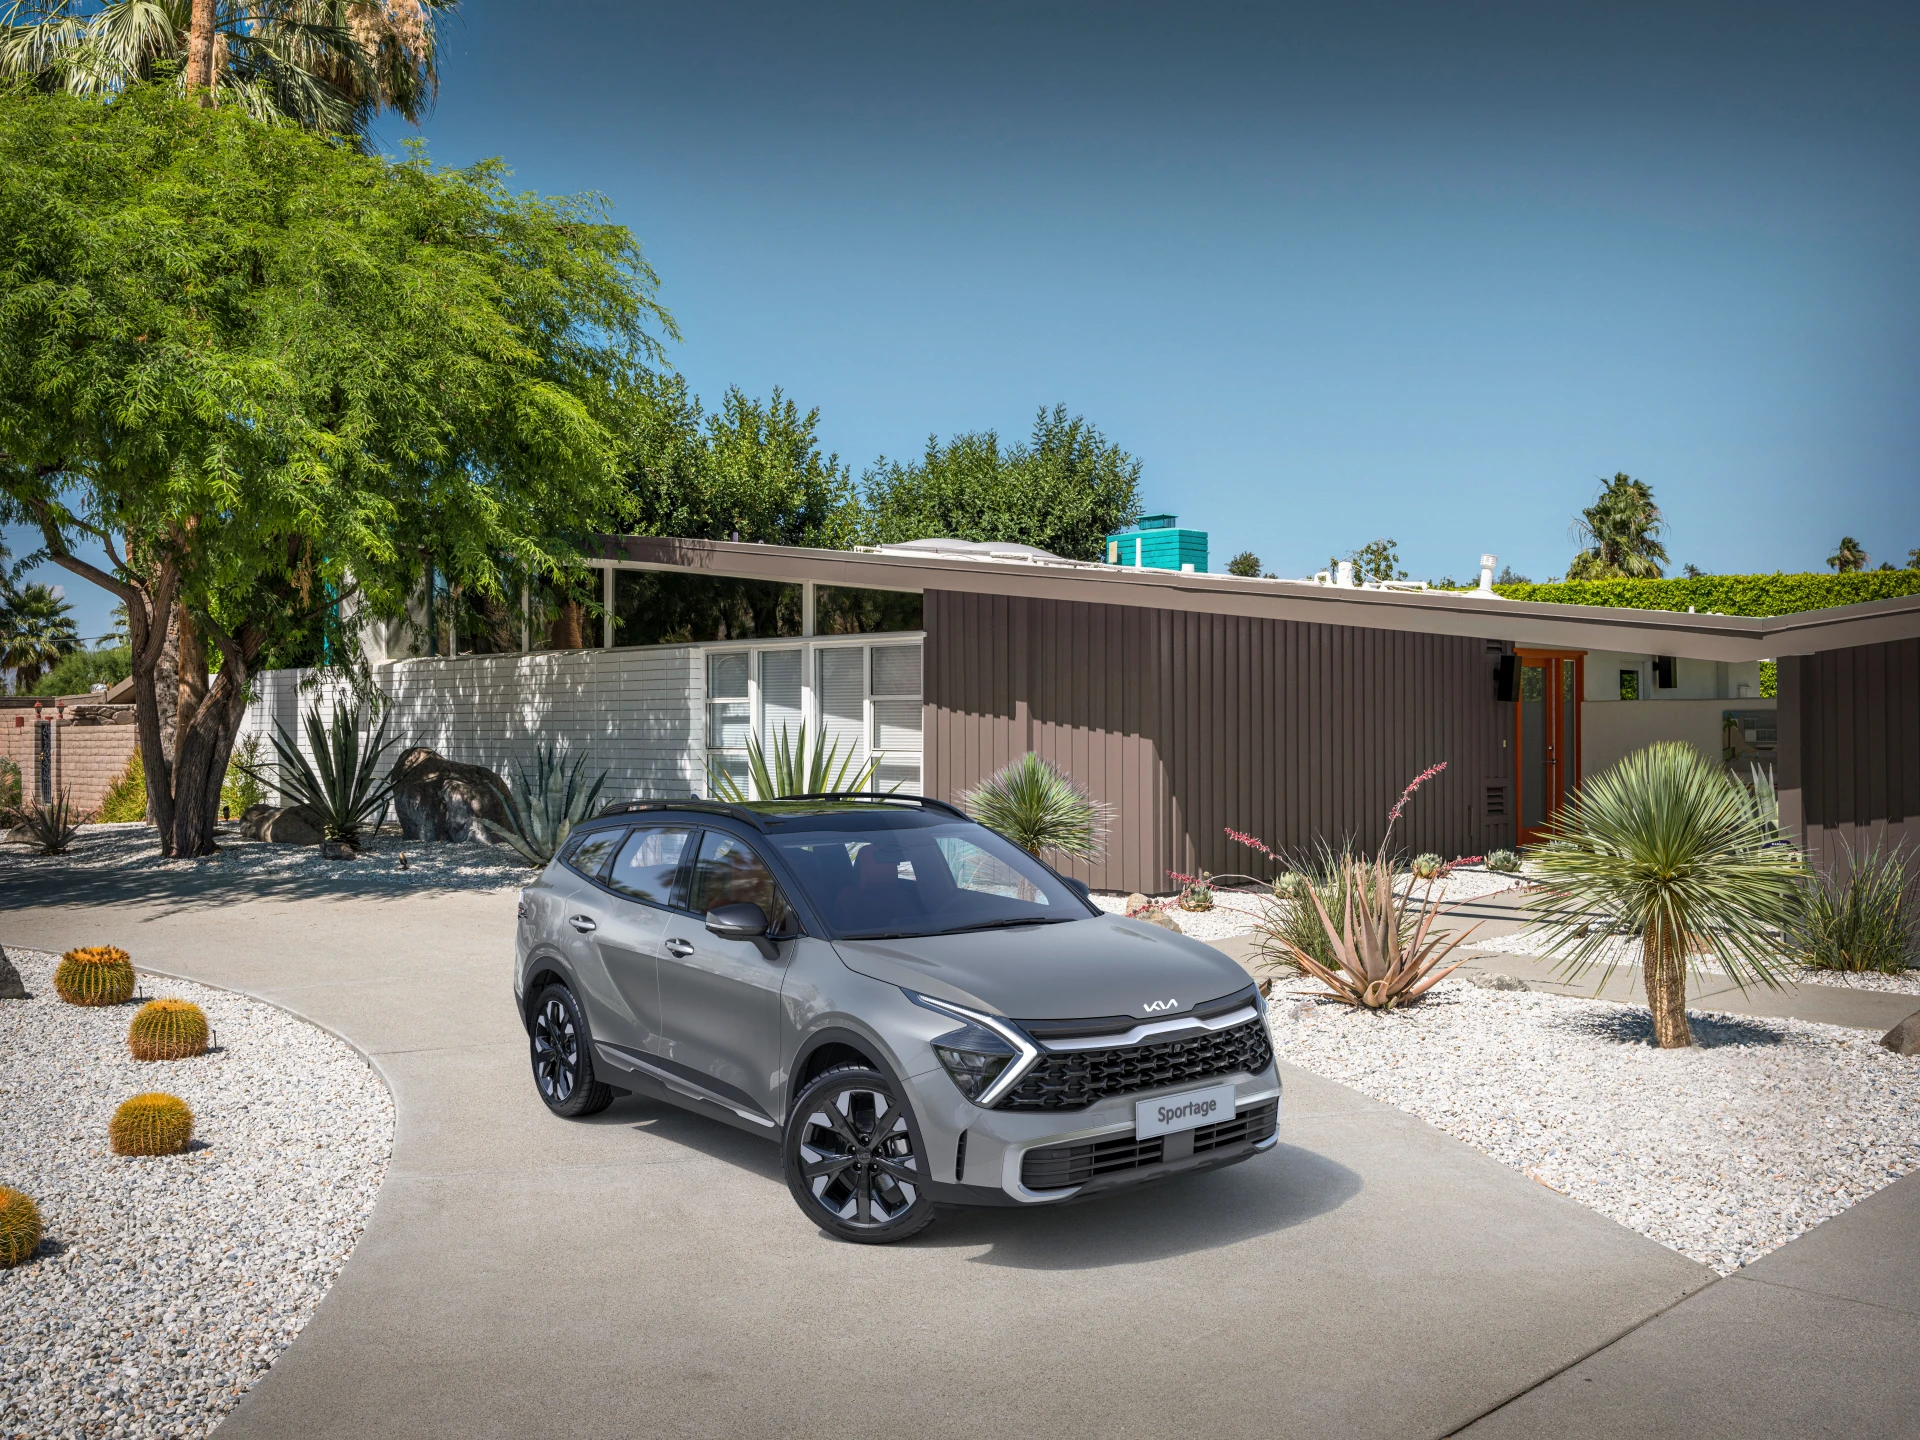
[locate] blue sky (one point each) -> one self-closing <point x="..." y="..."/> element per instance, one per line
<point x="1406" y="270"/>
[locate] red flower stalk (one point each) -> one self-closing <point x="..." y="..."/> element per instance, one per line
<point x="1252" y="842"/>
<point x="1399" y="805"/>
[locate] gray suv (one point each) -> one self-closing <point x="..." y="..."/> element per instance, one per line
<point x="918" y="1011"/>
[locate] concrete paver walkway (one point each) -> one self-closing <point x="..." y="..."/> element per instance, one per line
<point x="646" y="1272"/>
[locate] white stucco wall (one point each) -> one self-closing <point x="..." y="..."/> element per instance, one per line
<point x="1612" y="729"/>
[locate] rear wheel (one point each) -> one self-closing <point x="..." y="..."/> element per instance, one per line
<point x="851" y="1161"/>
<point x="563" y="1056"/>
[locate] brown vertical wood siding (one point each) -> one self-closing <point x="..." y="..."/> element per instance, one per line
<point x="1850" y="748"/>
<point x="1189" y="723"/>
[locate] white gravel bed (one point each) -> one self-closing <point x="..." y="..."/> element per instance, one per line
<point x="166" y="1286"/>
<point x="435" y="865"/>
<point x="1468" y="882"/>
<point x="1722" y="1151"/>
<point x="1235" y="912"/>
<point x="1627" y="952"/>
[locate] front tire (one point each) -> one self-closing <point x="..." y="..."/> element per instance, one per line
<point x="563" y="1057"/>
<point x="852" y="1159"/>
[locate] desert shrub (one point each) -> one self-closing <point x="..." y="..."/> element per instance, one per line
<point x="167" y="1030"/>
<point x="126" y="797"/>
<point x="243" y="789"/>
<point x="19" y="1227"/>
<point x="51" y="828"/>
<point x="1383" y="957"/>
<point x="10" y="794"/>
<point x="1425" y="867"/>
<point x="151" y="1124"/>
<point x="1039" y="808"/>
<point x="1502" y="862"/>
<point x="1862" y="916"/>
<point x="1290" y="885"/>
<point x="1289" y="925"/>
<point x="94" y="975"/>
<point x="78" y="673"/>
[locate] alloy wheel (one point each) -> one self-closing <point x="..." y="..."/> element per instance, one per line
<point x="856" y="1156"/>
<point x="556" y="1051"/>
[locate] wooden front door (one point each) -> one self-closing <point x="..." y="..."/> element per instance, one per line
<point x="1546" y="736"/>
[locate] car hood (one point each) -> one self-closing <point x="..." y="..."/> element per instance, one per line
<point x="1103" y="965"/>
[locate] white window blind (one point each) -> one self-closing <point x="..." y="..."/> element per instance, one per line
<point x="779" y="698"/>
<point x="728" y="713"/>
<point x="840" y="693"/>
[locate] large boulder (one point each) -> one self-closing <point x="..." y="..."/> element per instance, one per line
<point x="281" y="825"/>
<point x="1904" y="1038"/>
<point x="442" y="799"/>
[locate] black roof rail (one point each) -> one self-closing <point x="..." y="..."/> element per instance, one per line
<point x="924" y="800"/>
<point x="704" y="807"/>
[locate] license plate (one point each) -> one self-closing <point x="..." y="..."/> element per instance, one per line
<point x="1186" y="1111"/>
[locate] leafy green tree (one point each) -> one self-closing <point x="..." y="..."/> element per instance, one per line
<point x="1848" y="556"/>
<point x="1064" y="491"/>
<point x="1913" y="559"/>
<point x="36" y="631"/>
<point x="1245" y="563"/>
<point x="271" y="376"/>
<point x="78" y="672"/>
<point x="750" y="469"/>
<point x="328" y="65"/>
<point x="1622" y="529"/>
<point x="1375" y="561"/>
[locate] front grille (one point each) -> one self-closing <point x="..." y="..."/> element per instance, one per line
<point x="1074" y="1079"/>
<point x="1058" y="1166"/>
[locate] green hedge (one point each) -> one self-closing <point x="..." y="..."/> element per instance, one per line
<point x="1727" y="594"/>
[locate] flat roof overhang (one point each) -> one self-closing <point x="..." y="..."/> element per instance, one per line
<point x="1559" y="627"/>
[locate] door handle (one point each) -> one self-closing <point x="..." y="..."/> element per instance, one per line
<point x="679" y="948"/>
<point x="582" y="923"/>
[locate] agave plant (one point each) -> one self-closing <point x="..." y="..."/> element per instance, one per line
<point x="1666" y="849"/>
<point x="51" y="827"/>
<point x="1038" y="808"/>
<point x="1862" y="916"/>
<point x="342" y="785"/>
<point x="795" y="768"/>
<point x="1383" y="958"/>
<point x="552" y="800"/>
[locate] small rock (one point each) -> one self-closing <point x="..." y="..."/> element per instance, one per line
<point x="1498" y="982"/>
<point x="1904" y="1038"/>
<point x="281" y="825"/>
<point x="12" y="987"/>
<point x="337" y="850"/>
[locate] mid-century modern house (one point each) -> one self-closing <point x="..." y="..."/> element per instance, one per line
<point x="1188" y="701"/>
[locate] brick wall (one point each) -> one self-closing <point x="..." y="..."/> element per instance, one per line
<point x="83" y="759"/>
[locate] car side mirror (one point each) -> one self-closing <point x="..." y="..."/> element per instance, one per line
<point x="744" y="921"/>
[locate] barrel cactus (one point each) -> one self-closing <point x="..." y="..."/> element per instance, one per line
<point x="94" y="975"/>
<point x="151" y="1124"/>
<point x="168" y="1030"/>
<point x="19" y="1228"/>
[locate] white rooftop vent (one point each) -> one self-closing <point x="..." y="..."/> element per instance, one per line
<point x="974" y="549"/>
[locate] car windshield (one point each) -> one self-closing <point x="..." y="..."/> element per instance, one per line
<point x="925" y="880"/>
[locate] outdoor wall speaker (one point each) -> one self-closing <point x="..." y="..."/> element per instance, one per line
<point x="1663" y="672"/>
<point x="1509" y="679"/>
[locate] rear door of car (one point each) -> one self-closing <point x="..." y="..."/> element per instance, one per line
<point x="721" y="998"/>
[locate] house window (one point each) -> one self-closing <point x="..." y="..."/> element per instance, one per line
<point x="1663" y="672"/>
<point x="729" y="713"/>
<point x="673" y="607"/>
<point x="842" y="610"/>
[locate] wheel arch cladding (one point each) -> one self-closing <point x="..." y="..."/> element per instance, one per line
<point x="544" y="973"/>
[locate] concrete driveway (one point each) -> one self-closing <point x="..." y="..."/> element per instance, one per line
<point x="646" y="1273"/>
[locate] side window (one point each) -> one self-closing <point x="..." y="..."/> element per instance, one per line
<point x="588" y="855"/>
<point x="729" y="873"/>
<point x="649" y="864"/>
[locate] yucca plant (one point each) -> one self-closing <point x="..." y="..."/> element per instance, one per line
<point x="343" y="784"/>
<point x="1862" y="916"/>
<point x="1666" y="849"/>
<point x="552" y="800"/>
<point x="1039" y="808"/>
<point x="795" y="768"/>
<point x="1383" y="958"/>
<point x="51" y="828"/>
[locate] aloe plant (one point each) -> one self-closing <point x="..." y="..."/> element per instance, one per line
<point x="1381" y="960"/>
<point x="795" y="768"/>
<point x="343" y="785"/>
<point x="552" y="800"/>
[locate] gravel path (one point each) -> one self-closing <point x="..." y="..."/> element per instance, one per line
<point x="429" y="866"/>
<point x="166" y="1286"/>
<point x="1533" y="942"/>
<point x="1722" y="1151"/>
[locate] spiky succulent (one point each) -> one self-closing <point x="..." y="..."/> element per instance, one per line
<point x="551" y="801"/>
<point x="51" y="827"/>
<point x="151" y="1124"/>
<point x="94" y="975"/>
<point x="168" y="1030"/>
<point x="1425" y="867"/>
<point x="1502" y="862"/>
<point x="1380" y="961"/>
<point x="1038" y="808"/>
<point x="20" y="1228"/>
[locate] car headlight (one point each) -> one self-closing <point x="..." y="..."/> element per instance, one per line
<point x="974" y="1058"/>
<point x="985" y="1057"/>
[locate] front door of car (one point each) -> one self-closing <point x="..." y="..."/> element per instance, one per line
<point x="722" y="997"/>
<point x="646" y="876"/>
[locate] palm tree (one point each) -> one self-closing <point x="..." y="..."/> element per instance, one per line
<point x="36" y="631"/>
<point x="1620" y="527"/>
<point x="1668" y="848"/>
<point x="328" y="65"/>
<point x="1849" y="555"/>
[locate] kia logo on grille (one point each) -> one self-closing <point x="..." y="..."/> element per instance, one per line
<point x="1153" y="1005"/>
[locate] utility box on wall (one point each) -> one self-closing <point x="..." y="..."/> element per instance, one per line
<point x="1157" y="543"/>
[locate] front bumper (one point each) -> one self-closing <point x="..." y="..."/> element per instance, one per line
<point x="1052" y="1157"/>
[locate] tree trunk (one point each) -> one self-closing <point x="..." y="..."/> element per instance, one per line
<point x="1664" y="974"/>
<point x="200" y="37"/>
<point x="200" y="768"/>
<point x="192" y="666"/>
<point x="166" y="686"/>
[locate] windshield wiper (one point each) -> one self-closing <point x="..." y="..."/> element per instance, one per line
<point x="1007" y="924"/>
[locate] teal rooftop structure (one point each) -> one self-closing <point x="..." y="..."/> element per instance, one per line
<point x="1156" y="542"/>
